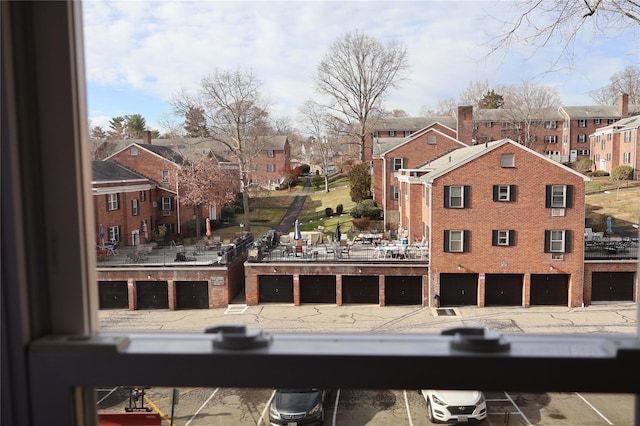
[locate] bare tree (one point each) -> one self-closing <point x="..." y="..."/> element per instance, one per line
<point x="316" y="121"/>
<point x="355" y="74"/>
<point x="236" y="118"/>
<point x="525" y="105"/>
<point x="560" y="22"/>
<point x="626" y="81"/>
<point x="204" y="182"/>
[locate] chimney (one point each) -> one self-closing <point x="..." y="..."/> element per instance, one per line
<point x="465" y="124"/>
<point x="623" y="105"/>
<point x="146" y="137"/>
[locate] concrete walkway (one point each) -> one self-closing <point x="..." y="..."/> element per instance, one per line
<point x="294" y="210"/>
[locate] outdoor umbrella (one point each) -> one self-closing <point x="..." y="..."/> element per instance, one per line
<point x="208" y="228"/>
<point x="338" y="234"/>
<point x="297" y="235"/>
<point x="101" y="232"/>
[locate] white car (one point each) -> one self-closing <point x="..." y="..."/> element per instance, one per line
<point x="452" y="406"/>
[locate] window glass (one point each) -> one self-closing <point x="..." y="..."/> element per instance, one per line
<point x="456" y="196"/>
<point x="456" y="241"/>
<point x="558" y="198"/>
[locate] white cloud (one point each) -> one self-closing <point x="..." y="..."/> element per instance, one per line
<point x="157" y="47"/>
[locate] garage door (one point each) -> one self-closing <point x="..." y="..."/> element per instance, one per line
<point x="403" y="290"/>
<point x="317" y="289"/>
<point x="612" y="286"/>
<point x="152" y="294"/>
<point x="550" y="289"/>
<point x="360" y="289"/>
<point x="503" y="289"/>
<point x="275" y="289"/>
<point x="113" y="294"/>
<point x="192" y="295"/>
<point x="458" y="289"/>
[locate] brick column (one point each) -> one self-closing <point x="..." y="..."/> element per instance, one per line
<point x="425" y="291"/>
<point x="251" y="289"/>
<point x="296" y="289"/>
<point x="381" y="297"/>
<point x="171" y="292"/>
<point x="526" y="291"/>
<point x="339" y="290"/>
<point x="132" y="294"/>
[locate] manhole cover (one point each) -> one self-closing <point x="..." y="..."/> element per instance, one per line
<point x="446" y="312"/>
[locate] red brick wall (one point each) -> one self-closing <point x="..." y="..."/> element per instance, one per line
<point x="123" y="217"/>
<point x="609" y="266"/>
<point x="417" y="152"/>
<point x="530" y="174"/>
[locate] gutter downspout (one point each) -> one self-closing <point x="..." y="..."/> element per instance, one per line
<point x="178" y="203"/>
<point x="429" y="189"/>
<point x="384" y="193"/>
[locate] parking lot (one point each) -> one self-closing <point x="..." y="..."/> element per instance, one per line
<point x="226" y="406"/>
<point x="221" y="406"/>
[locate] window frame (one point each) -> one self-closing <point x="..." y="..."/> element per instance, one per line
<point x="503" y="237"/>
<point x="507" y="160"/>
<point x="554" y="200"/>
<point x="465" y="193"/>
<point x="165" y="176"/>
<point x="504" y="193"/>
<point x="395" y="166"/>
<point x="135" y="208"/>
<point x="43" y="331"/>
<point x="113" y="202"/>
<point x="271" y="168"/>
<point x="461" y="242"/>
<point x="550" y="139"/>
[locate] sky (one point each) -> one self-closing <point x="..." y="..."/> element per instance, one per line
<point x="139" y="54"/>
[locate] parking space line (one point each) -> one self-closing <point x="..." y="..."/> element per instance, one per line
<point x="157" y="410"/>
<point x="201" y="407"/>
<point x="335" y="408"/>
<point x="594" y="408"/>
<point x="406" y="403"/>
<point x="518" y="408"/>
<point x="264" y="412"/>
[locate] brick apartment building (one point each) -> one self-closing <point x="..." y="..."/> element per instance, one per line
<point x="122" y="204"/>
<point x="561" y="134"/>
<point x="274" y="157"/>
<point x="616" y="145"/>
<point x="472" y="207"/>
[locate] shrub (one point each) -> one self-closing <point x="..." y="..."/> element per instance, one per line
<point x="585" y="165"/>
<point x="367" y="208"/>
<point x="227" y="212"/>
<point x="317" y="181"/>
<point x="361" y="223"/>
<point x="305" y="169"/>
<point x="339" y="209"/>
<point x="622" y="172"/>
<point x="600" y="173"/>
<point x="328" y="212"/>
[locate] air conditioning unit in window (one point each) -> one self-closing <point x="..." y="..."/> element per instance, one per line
<point x="557" y="256"/>
<point x="557" y="212"/>
<point x="166" y="212"/>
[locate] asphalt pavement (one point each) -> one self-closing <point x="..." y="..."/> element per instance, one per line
<point x="610" y="318"/>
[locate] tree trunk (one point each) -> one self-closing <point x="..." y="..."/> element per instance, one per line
<point x="326" y="182"/>
<point x="245" y="207"/>
<point x="195" y="211"/>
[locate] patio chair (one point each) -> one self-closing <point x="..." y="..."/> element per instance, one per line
<point x="345" y="250"/>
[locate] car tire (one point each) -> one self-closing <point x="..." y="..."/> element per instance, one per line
<point x="430" y="416"/>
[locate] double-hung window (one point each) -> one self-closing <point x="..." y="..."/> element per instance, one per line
<point x="503" y="237"/>
<point x="394" y="192"/>
<point x="551" y="139"/>
<point x="113" y="202"/>
<point x="271" y="153"/>
<point x="552" y="124"/>
<point x="582" y="123"/>
<point x="134" y="207"/>
<point x="398" y="163"/>
<point x="582" y="138"/>
<point x="456" y="241"/>
<point x="165" y="176"/>
<point x="271" y="168"/>
<point x="559" y="196"/>
<point x="626" y="157"/>
<point x="504" y="193"/>
<point x="167" y="203"/>
<point x="457" y="196"/>
<point x="557" y="241"/>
